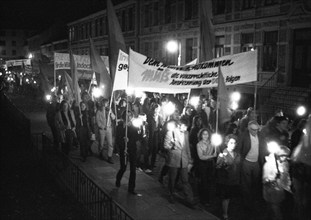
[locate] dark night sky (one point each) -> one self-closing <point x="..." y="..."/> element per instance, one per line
<point x="40" y="14"/>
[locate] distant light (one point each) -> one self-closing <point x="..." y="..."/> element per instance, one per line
<point x="172" y="46"/>
<point x="53" y="89"/>
<point x="35" y="82"/>
<point x="304" y="131"/>
<point x="0" y="74"/>
<point x="252" y="49"/>
<point x="27" y="80"/>
<point x="301" y="110"/>
<point x="30" y="56"/>
<point x="235" y="96"/>
<point x="216" y="139"/>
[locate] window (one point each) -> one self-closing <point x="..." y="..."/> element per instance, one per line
<point x="247" y="41"/>
<point x="156" y="50"/>
<point x="155" y="13"/>
<point x="271" y="2"/>
<point x="220" y="6"/>
<point x="2" y="33"/>
<point x="2" y="42"/>
<point x="191" y="9"/>
<point x="191" y="49"/>
<point x="248" y="4"/>
<point x="13" y="52"/>
<point x="170" y="12"/>
<point x="270" y="51"/>
<point x="123" y="24"/>
<point x="13" y="43"/>
<point x="148" y="49"/>
<point x="101" y="26"/>
<point x="3" y="52"/>
<point x="147" y="13"/>
<point x="131" y="19"/>
<point x="219" y="46"/>
<point x="13" y="33"/>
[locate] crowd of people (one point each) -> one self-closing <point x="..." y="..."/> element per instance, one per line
<point x="140" y="130"/>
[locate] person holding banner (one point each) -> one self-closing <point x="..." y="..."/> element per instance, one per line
<point x="128" y="151"/>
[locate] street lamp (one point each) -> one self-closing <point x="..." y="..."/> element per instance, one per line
<point x="174" y="46"/>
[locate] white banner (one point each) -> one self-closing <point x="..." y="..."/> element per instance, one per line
<point x="120" y="79"/>
<point x="20" y="62"/>
<point x="61" y="61"/>
<point x="145" y="72"/>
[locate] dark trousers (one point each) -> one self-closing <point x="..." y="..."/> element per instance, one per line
<point x="184" y="180"/>
<point x="207" y="177"/>
<point x="84" y="141"/>
<point x="250" y="181"/>
<point x="69" y="140"/>
<point x="131" y="158"/>
<point x="154" y="147"/>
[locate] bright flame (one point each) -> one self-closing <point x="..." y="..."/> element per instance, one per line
<point x="235" y="96"/>
<point x="169" y="108"/>
<point x="301" y="110"/>
<point x="273" y="147"/>
<point x="137" y="122"/>
<point x="48" y="97"/>
<point x="194" y="100"/>
<point x="234" y="105"/>
<point x="216" y="139"/>
<point x="96" y="92"/>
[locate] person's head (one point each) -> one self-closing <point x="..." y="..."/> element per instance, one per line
<point x="122" y="103"/>
<point x="253" y="127"/>
<point x="64" y="106"/>
<point x="204" y="134"/>
<point x="283" y="153"/>
<point x="188" y="110"/>
<point x="105" y="102"/>
<point x="183" y="124"/>
<point x="82" y="106"/>
<point x="231" y="142"/>
<point x="196" y="121"/>
<point x="85" y="97"/>
<point x="129" y="116"/>
<point x="281" y="123"/>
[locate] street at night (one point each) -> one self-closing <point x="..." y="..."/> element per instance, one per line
<point x="149" y="109"/>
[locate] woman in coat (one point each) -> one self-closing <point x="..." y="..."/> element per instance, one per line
<point x="228" y="172"/>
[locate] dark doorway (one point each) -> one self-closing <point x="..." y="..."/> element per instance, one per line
<point x="301" y="72"/>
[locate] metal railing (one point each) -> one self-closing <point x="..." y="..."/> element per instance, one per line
<point x="98" y="203"/>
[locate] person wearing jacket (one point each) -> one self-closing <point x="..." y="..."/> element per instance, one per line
<point x="177" y="144"/>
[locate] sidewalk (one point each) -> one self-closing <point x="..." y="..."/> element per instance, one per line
<point x="153" y="203"/>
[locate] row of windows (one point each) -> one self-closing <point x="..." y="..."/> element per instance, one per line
<point x="13" y="52"/>
<point x="6" y="33"/>
<point x="3" y="43"/>
<point x="99" y="26"/>
<point x="225" y="6"/>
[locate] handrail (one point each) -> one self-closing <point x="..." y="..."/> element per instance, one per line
<point x="98" y="203"/>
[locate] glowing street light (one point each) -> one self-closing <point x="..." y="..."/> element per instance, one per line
<point x="301" y="110"/>
<point x="174" y="46"/>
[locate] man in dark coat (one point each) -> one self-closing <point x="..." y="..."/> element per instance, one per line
<point x="252" y="148"/>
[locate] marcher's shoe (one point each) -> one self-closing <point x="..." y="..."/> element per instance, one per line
<point x="118" y="184"/>
<point x="110" y="160"/>
<point x="133" y="192"/>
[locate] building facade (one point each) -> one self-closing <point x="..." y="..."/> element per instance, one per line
<point x="13" y="43"/>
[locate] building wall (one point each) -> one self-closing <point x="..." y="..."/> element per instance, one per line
<point x="13" y="43"/>
<point x="240" y="25"/>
